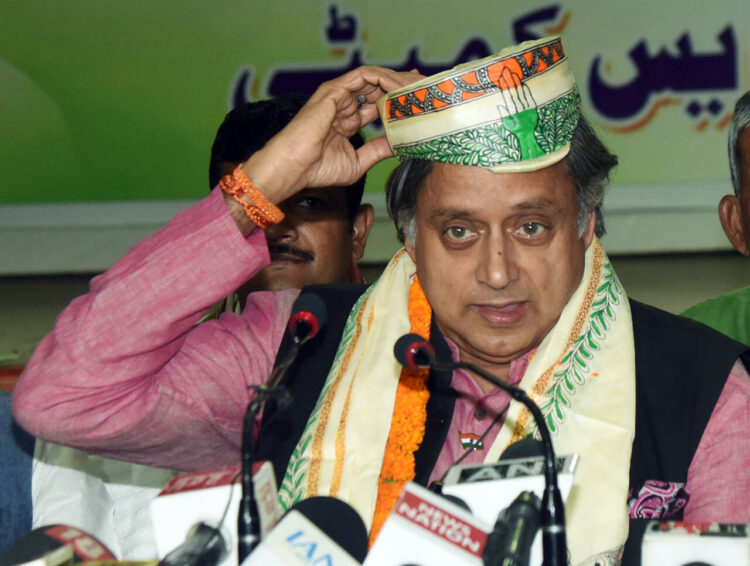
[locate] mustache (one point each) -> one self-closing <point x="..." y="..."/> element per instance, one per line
<point x="286" y="249"/>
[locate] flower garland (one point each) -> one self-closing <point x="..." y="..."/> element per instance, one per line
<point x="408" y="421"/>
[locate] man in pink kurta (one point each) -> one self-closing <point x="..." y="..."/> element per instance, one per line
<point x="323" y="233"/>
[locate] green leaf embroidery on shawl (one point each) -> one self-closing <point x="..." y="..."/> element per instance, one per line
<point x="292" y="488"/>
<point x="574" y="366"/>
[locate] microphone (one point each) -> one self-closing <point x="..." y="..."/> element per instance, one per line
<point x="205" y="546"/>
<point x="685" y="543"/>
<point x="318" y="530"/>
<point x="211" y="497"/>
<point x="308" y="317"/>
<point x="56" y="544"/>
<point x="309" y="314"/>
<point x="523" y="449"/>
<point x="414" y="352"/>
<point x="509" y="543"/>
<point x="554" y="545"/>
<point x="489" y="489"/>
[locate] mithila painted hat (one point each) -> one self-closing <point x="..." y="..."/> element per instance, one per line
<point x="510" y="112"/>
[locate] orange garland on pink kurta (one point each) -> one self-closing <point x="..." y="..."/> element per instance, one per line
<point x="408" y="421"/>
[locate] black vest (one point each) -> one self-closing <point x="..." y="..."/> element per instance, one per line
<point x="280" y="430"/>
<point x="681" y="369"/>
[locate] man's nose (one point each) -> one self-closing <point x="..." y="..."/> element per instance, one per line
<point x="284" y="230"/>
<point x="496" y="267"/>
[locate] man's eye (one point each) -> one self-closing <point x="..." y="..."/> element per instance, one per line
<point x="311" y="202"/>
<point x="458" y="233"/>
<point x="531" y="229"/>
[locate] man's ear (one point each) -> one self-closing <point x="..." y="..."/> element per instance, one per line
<point x="590" y="229"/>
<point x="361" y="229"/>
<point x="409" y="247"/>
<point x="730" y="215"/>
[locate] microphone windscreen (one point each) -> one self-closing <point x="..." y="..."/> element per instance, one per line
<point x="407" y="348"/>
<point x="313" y="304"/>
<point x="524" y="448"/>
<point x="339" y="521"/>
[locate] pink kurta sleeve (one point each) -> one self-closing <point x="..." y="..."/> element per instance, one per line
<point x="127" y="374"/>
<point x="719" y="475"/>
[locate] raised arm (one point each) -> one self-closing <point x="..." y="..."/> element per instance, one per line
<point x="126" y="373"/>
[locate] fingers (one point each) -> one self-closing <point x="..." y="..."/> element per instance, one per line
<point x="375" y="81"/>
<point x="314" y="146"/>
<point x="374" y="151"/>
<point x="362" y="87"/>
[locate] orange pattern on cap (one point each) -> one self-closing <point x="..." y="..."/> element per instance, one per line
<point x="471" y="84"/>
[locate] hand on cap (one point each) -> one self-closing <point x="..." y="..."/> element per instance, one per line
<point x="314" y="149"/>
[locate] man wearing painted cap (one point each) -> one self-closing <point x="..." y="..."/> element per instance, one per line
<point x="498" y="202"/>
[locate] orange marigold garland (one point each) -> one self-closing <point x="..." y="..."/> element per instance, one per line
<point x="409" y="416"/>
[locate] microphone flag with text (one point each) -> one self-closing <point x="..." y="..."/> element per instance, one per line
<point x="428" y="529"/>
<point x="686" y="543"/>
<point x="317" y="530"/>
<point x="56" y="544"/>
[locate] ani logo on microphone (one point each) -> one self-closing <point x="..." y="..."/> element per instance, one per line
<point x="304" y="545"/>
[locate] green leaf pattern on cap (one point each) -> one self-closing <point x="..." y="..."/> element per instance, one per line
<point x="494" y="144"/>
<point x="558" y="121"/>
<point x="484" y="146"/>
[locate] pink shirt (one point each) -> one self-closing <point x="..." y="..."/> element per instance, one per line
<point x="126" y="374"/>
<point x="718" y="477"/>
<point x="473" y="417"/>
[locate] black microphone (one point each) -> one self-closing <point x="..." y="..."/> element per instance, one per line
<point x="318" y="530"/>
<point x="509" y="543"/>
<point x="525" y="448"/>
<point x="554" y="545"/>
<point x="414" y="352"/>
<point x="308" y="317"/>
<point x="339" y="521"/>
<point x="205" y="546"/>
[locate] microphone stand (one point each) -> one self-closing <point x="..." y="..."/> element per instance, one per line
<point x="552" y="520"/>
<point x="304" y="326"/>
<point x="248" y="519"/>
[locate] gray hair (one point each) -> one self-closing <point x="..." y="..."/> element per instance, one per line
<point x="588" y="164"/>
<point x="740" y="121"/>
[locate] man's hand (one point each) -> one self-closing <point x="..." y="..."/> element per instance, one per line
<point x="314" y="149"/>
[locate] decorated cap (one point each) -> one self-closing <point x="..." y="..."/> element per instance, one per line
<point x="510" y="112"/>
